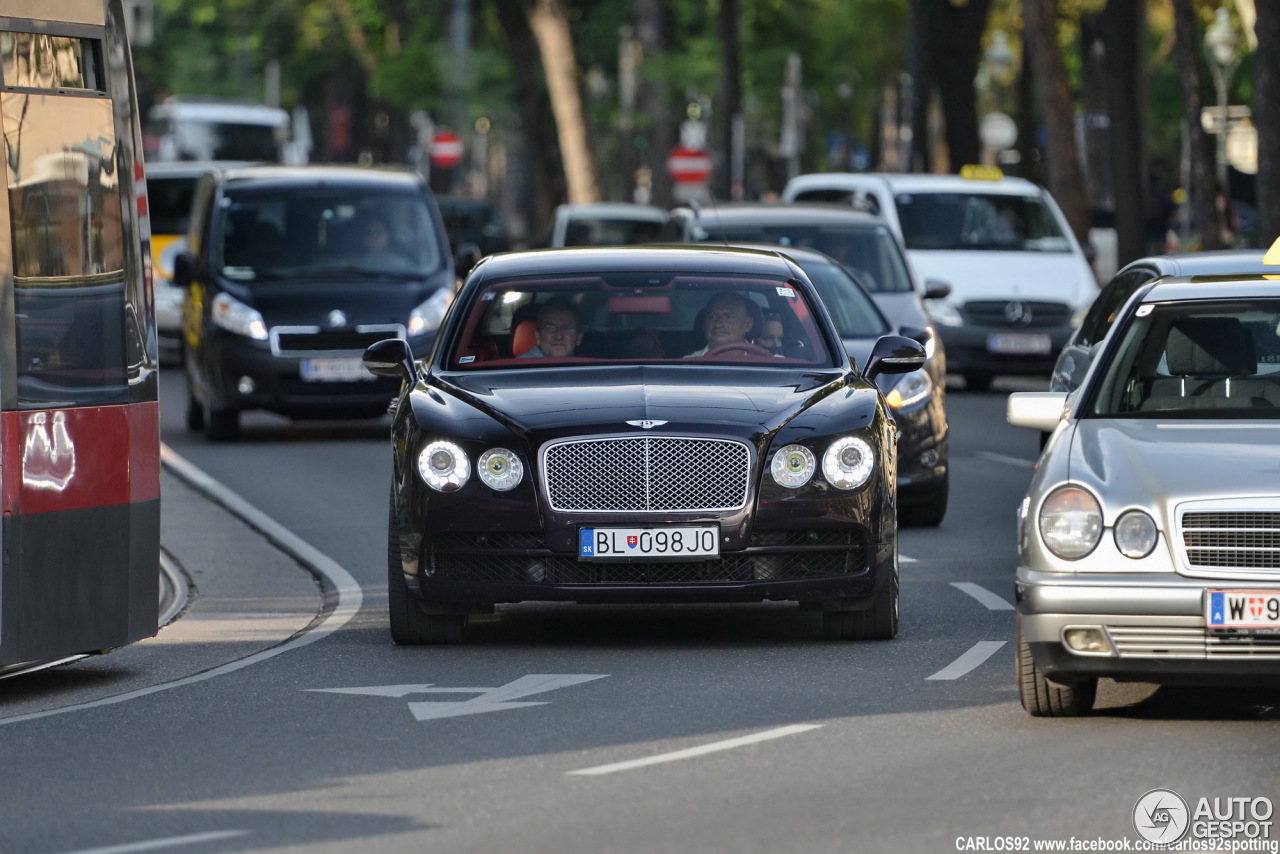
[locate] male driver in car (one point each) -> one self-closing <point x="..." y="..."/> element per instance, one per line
<point x="727" y="319"/>
<point x="556" y="330"/>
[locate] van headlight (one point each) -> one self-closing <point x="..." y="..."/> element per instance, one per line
<point x="428" y="316"/>
<point x="944" y="312"/>
<point x="848" y="463"/>
<point x="444" y="467"/>
<point x="234" y="316"/>
<point x="1071" y="522"/>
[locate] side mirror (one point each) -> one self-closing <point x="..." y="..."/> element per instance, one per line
<point x="1037" y="410"/>
<point x="466" y="257"/>
<point x="923" y="334"/>
<point x="894" y="354"/>
<point x="184" y="268"/>
<point x="391" y="358"/>
<point x="936" y="288"/>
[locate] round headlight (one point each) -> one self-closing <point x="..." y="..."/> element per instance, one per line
<point x="443" y="466"/>
<point x="1071" y="522"/>
<point x="848" y="463"/>
<point x="793" y="466"/>
<point x="500" y="469"/>
<point x="1135" y="534"/>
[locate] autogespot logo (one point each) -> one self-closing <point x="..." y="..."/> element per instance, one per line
<point x="1161" y="815"/>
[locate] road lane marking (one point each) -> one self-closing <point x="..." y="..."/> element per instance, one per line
<point x="904" y="559"/>
<point x="345" y="589"/>
<point x="978" y="653"/>
<point x="498" y="699"/>
<point x="690" y="753"/>
<point x="983" y="595"/>
<point x="1008" y="460"/>
<point x="154" y="844"/>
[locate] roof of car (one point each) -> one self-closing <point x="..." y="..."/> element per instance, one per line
<point x="692" y="258"/>
<point x="189" y="168"/>
<point x="318" y="175"/>
<point x="1234" y="286"/>
<point x="614" y="210"/>
<point x="818" y="212"/>
<point x="1221" y="261"/>
<point x="914" y="182"/>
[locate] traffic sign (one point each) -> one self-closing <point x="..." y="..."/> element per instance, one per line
<point x="446" y="149"/>
<point x="689" y="166"/>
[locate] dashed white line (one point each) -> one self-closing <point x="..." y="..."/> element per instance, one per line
<point x="983" y="595"/>
<point x="977" y="654"/>
<point x="1008" y="460"/>
<point x="692" y="752"/>
<point x="168" y="842"/>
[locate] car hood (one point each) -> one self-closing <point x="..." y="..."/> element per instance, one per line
<point x="1135" y="462"/>
<point x="982" y="274"/>
<point x="312" y="303"/>
<point x="542" y="405"/>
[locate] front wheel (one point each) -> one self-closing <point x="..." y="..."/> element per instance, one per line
<point x="195" y="413"/>
<point x="1044" y="698"/>
<point x="410" y="624"/>
<point x="930" y="512"/>
<point x="879" y="622"/>
<point x="223" y="425"/>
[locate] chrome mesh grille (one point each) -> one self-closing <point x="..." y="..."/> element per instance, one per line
<point x="1190" y="642"/>
<point x="647" y="473"/>
<point x="1232" y="540"/>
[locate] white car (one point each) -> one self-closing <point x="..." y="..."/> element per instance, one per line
<point x="1020" y="281"/>
<point x="609" y="224"/>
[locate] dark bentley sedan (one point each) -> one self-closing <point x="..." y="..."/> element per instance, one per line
<point x="601" y="425"/>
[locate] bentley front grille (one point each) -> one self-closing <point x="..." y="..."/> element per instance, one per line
<point x="1232" y="539"/>
<point x="647" y="474"/>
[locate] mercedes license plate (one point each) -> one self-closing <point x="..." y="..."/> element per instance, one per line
<point x="335" y="369"/>
<point x="695" y="542"/>
<point x="1249" y="611"/>
<point x="1018" y="342"/>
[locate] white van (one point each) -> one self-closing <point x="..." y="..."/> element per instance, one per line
<point x="1020" y="281"/>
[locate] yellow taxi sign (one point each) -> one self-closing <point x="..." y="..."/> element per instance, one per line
<point x="1273" y="254"/>
<point x="978" y="172"/>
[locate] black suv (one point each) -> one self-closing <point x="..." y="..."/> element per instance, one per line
<point x="290" y="273"/>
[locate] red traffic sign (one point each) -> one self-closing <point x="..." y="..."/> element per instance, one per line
<point x="687" y="166"/>
<point x="446" y="149"/>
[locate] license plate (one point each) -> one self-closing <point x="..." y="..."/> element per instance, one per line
<point x="699" y="542"/>
<point x="1254" y="611"/>
<point x="1018" y="342"/>
<point x="338" y="369"/>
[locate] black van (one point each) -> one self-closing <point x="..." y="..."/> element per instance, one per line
<point x="290" y="273"/>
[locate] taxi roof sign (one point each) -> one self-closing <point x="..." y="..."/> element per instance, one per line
<point x="978" y="172"/>
<point x="1273" y="254"/>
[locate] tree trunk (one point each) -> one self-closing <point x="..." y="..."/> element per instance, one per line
<point x="729" y="102"/>
<point x="655" y="103"/>
<point x="1062" y="157"/>
<point x="1124" y="29"/>
<point x="1203" y="179"/>
<point x="951" y="48"/>
<point x="549" y="21"/>
<point x="1266" y="114"/>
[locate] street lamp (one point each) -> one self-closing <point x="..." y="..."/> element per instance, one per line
<point x="1220" y="42"/>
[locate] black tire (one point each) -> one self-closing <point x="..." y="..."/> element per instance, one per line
<point x="879" y="622"/>
<point x="410" y="625"/>
<point x="195" y="413"/>
<point x="978" y="382"/>
<point x="222" y="425"/>
<point x="930" y="512"/>
<point x="1043" y="698"/>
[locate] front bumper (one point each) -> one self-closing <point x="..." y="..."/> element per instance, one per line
<point x="1155" y="625"/>
<point x="969" y="350"/>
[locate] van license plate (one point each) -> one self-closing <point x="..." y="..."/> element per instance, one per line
<point x="699" y="542"/>
<point x="335" y="370"/>
<point x="1249" y="611"/>
<point x="1018" y="342"/>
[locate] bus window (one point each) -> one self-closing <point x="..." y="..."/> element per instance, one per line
<point x="42" y="61"/>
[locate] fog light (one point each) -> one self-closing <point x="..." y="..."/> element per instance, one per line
<point x="246" y="385"/>
<point x="929" y="458"/>
<point x="1088" y="640"/>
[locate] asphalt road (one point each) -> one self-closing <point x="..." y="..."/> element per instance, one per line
<point x="601" y="729"/>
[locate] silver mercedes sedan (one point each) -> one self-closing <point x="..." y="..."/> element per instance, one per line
<point x="1149" y="541"/>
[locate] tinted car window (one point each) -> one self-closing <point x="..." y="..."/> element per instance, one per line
<point x="169" y="201"/>
<point x="852" y="311"/>
<point x="613" y="232"/>
<point x="979" y="221"/>
<point x="1108" y="304"/>
<point x="269" y="235"/>
<point x="871" y="251"/>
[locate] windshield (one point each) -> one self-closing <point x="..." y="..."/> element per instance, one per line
<point x="290" y="232"/>
<point x="604" y="231"/>
<point x="870" y="251"/>
<point x="853" y="311"/>
<point x="1204" y="359"/>
<point x="207" y="140"/>
<point x="638" y="317"/>
<point x="979" y="221"/>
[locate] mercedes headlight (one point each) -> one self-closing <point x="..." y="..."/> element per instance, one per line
<point x="443" y="466"/>
<point x="1135" y="534"/>
<point x="793" y="466"/>
<point x="944" y="312"/>
<point x="848" y="463"/>
<point x="500" y="469"/>
<point x="1071" y="522"/>
<point x="428" y="316"/>
<point x="234" y="316"/>
<point x="911" y="388"/>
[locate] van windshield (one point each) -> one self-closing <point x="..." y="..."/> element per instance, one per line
<point x="970" y="221"/>
<point x="276" y="234"/>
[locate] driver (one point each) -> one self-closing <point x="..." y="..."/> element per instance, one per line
<point x="728" y="318"/>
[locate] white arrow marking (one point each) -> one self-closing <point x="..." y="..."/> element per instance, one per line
<point x="993" y="601"/>
<point x="168" y="842"/>
<point x="976" y="654"/>
<point x="490" y="699"/>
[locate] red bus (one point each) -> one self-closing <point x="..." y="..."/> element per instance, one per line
<point x="79" y="418"/>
